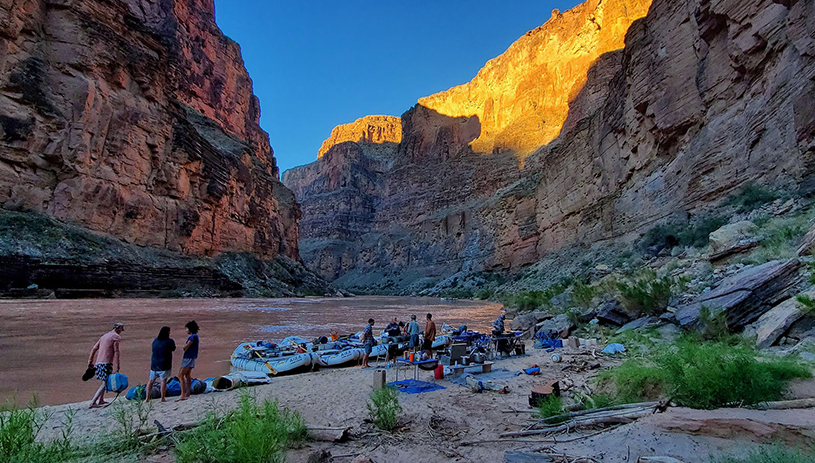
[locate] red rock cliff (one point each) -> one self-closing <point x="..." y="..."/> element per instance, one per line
<point x="704" y="98"/>
<point x="136" y="118"/>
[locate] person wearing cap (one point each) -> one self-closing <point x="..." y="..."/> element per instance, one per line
<point x="105" y="357"/>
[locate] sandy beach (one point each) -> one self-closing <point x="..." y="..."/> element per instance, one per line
<point x="434" y="426"/>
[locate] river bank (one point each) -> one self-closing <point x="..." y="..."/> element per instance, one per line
<point x="45" y="343"/>
<point x="435" y="426"/>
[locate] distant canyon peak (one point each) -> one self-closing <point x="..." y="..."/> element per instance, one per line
<point x="608" y="119"/>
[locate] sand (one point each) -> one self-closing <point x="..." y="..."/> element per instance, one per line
<point x="433" y="424"/>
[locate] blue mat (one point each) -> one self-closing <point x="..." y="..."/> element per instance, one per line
<point x="412" y="386"/>
<point x="494" y="375"/>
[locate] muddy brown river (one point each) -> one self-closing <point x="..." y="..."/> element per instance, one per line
<point x="44" y="344"/>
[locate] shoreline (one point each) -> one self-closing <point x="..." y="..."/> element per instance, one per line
<point x="433" y="425"/>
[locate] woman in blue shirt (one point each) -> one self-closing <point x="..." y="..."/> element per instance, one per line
<point x="188" y="362"/>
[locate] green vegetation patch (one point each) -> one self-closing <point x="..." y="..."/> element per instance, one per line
<point x="751" y="197"/>
<point x="694" y="233"/>
<point x="704" y="376"/>
<point x="19" y="428"/>
<point x="549" y="406"/>
<point x="384" y="408"/>
<point x="252" y="433"/>
<point x="774" y="454"/>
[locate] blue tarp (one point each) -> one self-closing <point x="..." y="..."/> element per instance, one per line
<point x="412" y="386"/>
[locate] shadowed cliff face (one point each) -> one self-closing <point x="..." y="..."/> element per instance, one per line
<point x="136" y="118"/>
<point x="704" y="98"/>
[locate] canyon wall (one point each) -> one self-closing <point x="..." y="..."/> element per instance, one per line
<point x="704" y="98"/>
<point x="136" y="119"/>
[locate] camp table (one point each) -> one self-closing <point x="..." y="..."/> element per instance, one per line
<point x="415" y="364"/>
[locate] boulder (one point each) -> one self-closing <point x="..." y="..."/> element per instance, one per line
<point x="644" y="322"/>
<point x="669" y="332"/>
<point x="792" y="427"/>
<point x="746" y="295"/>
<point x="806" y="245"/>
<point x="732" y="238"/>
<point x="774" y="323"/>
<point x="528" y="320"/>
<point x="560" y="325"/>
<point x="612" y="313"/>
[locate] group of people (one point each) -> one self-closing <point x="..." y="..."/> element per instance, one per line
<point x="105" y="354"/>
<point x="398" y="328"/>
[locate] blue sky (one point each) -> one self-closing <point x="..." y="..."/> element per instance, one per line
<point x="316" y="65"/>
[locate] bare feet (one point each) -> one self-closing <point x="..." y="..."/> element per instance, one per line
<point x="180" y="399"/>
<point x="164" y="400"/>
<point x="95" y="406"/>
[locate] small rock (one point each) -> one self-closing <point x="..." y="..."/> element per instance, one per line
<point x="612" y="313"/>
<point x="807" y="356"/>
<point x="638" y="324"/>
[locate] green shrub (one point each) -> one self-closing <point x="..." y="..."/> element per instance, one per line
<point x="532" y="300"/>
<point x="705" y="376"/>
<point x="774" y="454"/>
<point x="807" y="302"/>
<point x="646" y="293"/>
<point x="693" y="234"/>
<point x="751" y="197"/>
<point x="384" y="407"/>
<point x="582" y="294"/>
<point x="19" y="428"/>
<point x="253" y="433"/>
<point x="550" y="406"/>
<point x="484" y="294"/>
<point x="458" y="293"/>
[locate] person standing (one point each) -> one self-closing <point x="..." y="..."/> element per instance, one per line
<point x="368" y="342"/>
<point x="413" y="331"/>
<point x="161" y="363"/>
<point x="429" y="335"/>
<point x="188" y="362"/>
<point x="105" y="357"/>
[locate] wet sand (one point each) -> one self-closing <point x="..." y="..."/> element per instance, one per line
<point x="44" y="345"/>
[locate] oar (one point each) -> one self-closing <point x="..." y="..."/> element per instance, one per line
<point x="271" y="370"/>
<point x="265" y="362"/>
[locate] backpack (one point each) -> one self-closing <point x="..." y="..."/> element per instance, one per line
<point x="136" y="392"/>
<point x="117" y="383"/>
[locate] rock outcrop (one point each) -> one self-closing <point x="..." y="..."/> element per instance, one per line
<point x="369" y="130"/>
<point x="704" y="98"/>
<point x="522" y="97"/>
<point x="136" y="119"/>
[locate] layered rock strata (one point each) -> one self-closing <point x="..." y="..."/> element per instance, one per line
<point x="368" y="130"/>
<point x="704" y="98"/>
<point x="136" y="119"/>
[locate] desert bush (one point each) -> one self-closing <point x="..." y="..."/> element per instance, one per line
<point x="550" y="406"/>
<point x="751" y="197"/>
<point x="253" y="433"/>
<point x="705" y="376"/>
<point x="384" y="407"/>
<point x="19" y="428"/>
<point x="693" y="234"/>
<point x="582" y="294"/>
<point x="483" y="294"/>
<point x="807" y="303"/>
<point x="774" y="454"/>
<point x="646" y="292"/>
<point x="531" y="300"/>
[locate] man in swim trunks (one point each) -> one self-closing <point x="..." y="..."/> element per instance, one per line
<point x="105" y="356"/>
<point x="429" y="335"/>
<point x="413" y="331"/>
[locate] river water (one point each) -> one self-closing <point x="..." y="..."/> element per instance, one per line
<point x="44" y="344"/>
